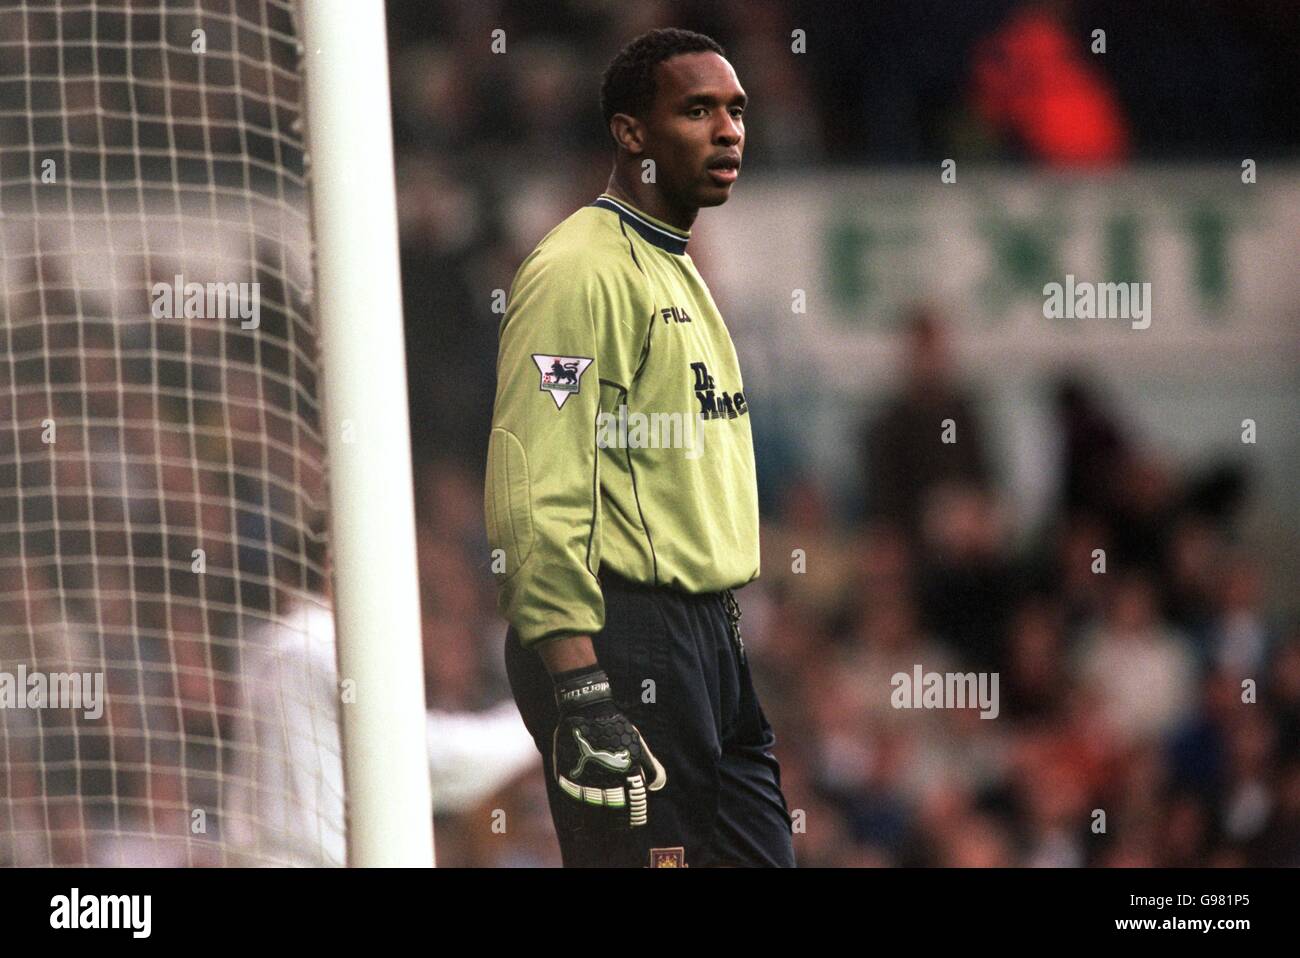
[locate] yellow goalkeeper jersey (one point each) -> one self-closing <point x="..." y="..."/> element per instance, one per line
<point x="620" y="430"/>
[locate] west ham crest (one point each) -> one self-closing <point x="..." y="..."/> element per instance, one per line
<point x="561" y="375"/>
<point x="668" y="857"/>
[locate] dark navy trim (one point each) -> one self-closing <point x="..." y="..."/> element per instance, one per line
<point x="652" y="234"/>
<point x="622" y="228"/>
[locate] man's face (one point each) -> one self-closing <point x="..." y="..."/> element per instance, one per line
<point x="696" y="132"/>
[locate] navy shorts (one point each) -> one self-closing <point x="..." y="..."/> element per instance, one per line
<point x="676" y="673"/>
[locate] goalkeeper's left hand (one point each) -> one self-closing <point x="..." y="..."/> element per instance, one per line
<point x="599" y="758"/>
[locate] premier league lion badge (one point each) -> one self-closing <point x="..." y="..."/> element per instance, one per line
<point x="561" y="375"/>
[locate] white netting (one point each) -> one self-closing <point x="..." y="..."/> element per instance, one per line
<point x="140" y="427"/>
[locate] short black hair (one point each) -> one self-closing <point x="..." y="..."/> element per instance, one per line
<point x="629" y="82"/>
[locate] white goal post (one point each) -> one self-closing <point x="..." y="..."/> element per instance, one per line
<point x="205" y="469"/>
<point x="359" y="311"/>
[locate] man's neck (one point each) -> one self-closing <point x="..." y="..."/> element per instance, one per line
<point x="647" y="198"/>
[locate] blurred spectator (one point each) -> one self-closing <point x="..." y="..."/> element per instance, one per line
<point x="1035" y="674"/>
<point x="1093" y="445"/>
<point x="1033" y="84"/>
<point x="1142" y="671"/>
<point x="1240" y="637"/>
<point x="928" y="434"/>
<point x="814" y="555"/>
<point x="968" y="581"/>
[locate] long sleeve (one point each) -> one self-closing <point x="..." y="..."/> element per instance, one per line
<point x="573" y="321"/>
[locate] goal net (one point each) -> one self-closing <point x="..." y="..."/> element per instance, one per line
<point x="168" y="686"/>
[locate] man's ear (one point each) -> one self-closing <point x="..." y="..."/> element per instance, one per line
<point x="628" y="133"/>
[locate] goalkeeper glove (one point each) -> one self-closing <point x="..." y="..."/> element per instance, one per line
<point x="598" y="756"/>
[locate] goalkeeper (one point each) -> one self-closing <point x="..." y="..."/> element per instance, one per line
<point x="624" y="651"/>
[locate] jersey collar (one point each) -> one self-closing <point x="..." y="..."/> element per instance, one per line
<point x="653" y="231"/>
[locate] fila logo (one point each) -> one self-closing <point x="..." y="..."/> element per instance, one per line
<point x="675" y="314"/>
<point x="561" y="375"/>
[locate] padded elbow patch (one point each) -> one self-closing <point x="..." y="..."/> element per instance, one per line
<point x="510" y="510"/>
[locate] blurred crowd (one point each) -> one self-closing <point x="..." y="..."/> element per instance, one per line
<point x="496" y="143"/>
<point x="1149" y="699"/>
<point x="164" y="525"/>
<point x="1149" y="703"/>
<point x="1123" y="736"/>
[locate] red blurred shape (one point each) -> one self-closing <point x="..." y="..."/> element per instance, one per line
<point x="1032" y="83"/>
